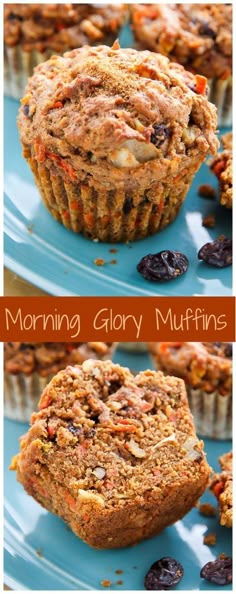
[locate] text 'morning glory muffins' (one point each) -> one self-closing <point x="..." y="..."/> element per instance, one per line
<point x="206" y="368"/>
<point x="115" y="455"/>
<point x="114" y="137"/>
<point x="33" y="32"/>
<point x="28" y="367"/>
<point x="199" y="36"/>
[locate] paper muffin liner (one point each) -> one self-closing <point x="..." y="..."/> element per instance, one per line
<point x="212" y="413"/>
<point x="221" y="96"/>
<point x="18" y="67"/>
<point x="110" y="215"/>
<point x="22" y="394"/>
<point x="133" y="347"/>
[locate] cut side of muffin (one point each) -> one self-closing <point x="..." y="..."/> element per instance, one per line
<point x="28" y="367"/>
<point x="222" y="487"/>
<point x="206" y="368"/>
<point x="115" y="455"/>
<point x="114" y="137"/>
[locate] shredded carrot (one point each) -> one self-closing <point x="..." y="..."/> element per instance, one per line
<point x="69" y="499"/>
<point x="89" y="218"/>
<point x="57" y="105"/>
<point x="86" y="517"/>
<point x="51" y="431"/>
<point x="201" y="83"/>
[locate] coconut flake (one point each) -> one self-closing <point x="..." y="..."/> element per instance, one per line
<point x="99" y="472"/>
<point x="135" y="449"/>
<point x="165" y="440"/>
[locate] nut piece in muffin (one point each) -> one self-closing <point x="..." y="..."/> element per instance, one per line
<point x="116" y="455"/>
<point x="199" y="36"/>
<point x="222" y="167"/>
<point x="33" y="32"/>
<point x="206" y="368"/>
<point x="114" y="137"/>
<point x="28" y="367"/>
<point x="222" y="487"/>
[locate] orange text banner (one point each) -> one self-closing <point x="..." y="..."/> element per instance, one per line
<point x="74" y="319"/>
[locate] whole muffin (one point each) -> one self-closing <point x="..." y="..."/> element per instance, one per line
<point x="222" y="487"/>
<point x="33" y="32"/>
<point x="199" y="36"/>
<point x="28" y="367"/>
<point x="114" y="137"/>
<point x="206" y="368"/>
<point x="114" y="455"/>
<point x="222" y="167"/>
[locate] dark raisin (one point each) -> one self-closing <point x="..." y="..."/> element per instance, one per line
<point x="163" y="266"/>
<point x="228" y="350"/>
<point x="113" y="387"/>
<point x="217" y="253"/>
<point x="25" y="346"/>
<point x="26" y="109"/>
<point x="128" y="205"/>
<point x="76" y="431"/>
<point x="14" y="17"/>
<point x="163" y="574"/>
<point x="90" y="433"/>
<point x="160" y="134"/>
<point x="218" y="572"/>
<point x="206" y="30"/>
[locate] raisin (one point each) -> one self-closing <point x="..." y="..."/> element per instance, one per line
<point x="113" y="387"/>
<point x="25" y="346"/>
<point x="128" y="205"/>
<point x="76" y="431"/>
<point x="163" y="574"/>
<point x="217" y="253"/>
<point x="163" y="266"/>
<point x="160" y="134"/>
<point x="218" y="572"/>
<point x="26" y="110"/>
<point x="14" y="17"/>
<point x="206" y="30"/>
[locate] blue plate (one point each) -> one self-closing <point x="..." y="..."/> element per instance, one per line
<point x="46" y="254"/>
<point x="41" y="553"/>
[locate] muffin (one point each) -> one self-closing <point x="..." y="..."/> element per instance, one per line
<point x="199" y="36"/>
<point x="114" y="455"/>
<point x="34" y="32"/>
<point x="222" y="167"/>
<point x="28" y="367"/>
<point x="114" y="137"/>
<point x="222" y="487"/>
<point x="206" y="368"/>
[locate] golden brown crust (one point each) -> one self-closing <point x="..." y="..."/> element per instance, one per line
<point x="116" y="455"/>
<point x="47" y="358"/>
<point x="60" y="27"/>
<point x="207" y="366"/>
<point x="199" y="36"/>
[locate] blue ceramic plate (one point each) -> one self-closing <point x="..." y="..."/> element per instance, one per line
<point x="42" y="554"/>
<point x="43" y="252"/>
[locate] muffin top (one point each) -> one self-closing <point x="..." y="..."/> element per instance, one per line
<point x="48" y="357"/>
<point x="205" y="365"/>
<point x="60" y="27"/>
<point x="199" y="36"/>
<point x="102" y="109"/>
